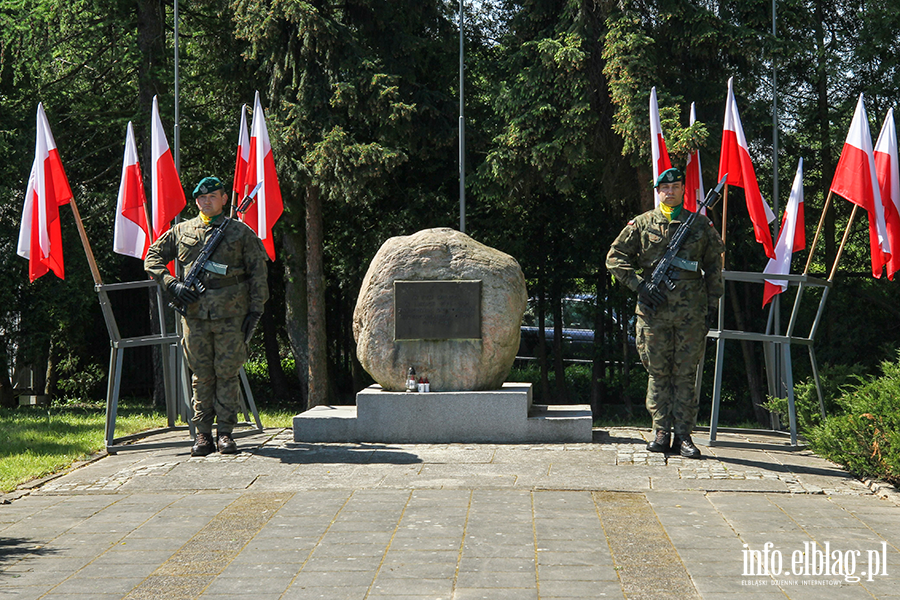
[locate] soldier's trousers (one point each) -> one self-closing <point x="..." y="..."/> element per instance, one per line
<point x="671" y="346"/>
<point x="215" y="351"/>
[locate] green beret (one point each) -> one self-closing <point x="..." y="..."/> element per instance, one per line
<point x="208" y="185"/>
<point x="669" y="176"/>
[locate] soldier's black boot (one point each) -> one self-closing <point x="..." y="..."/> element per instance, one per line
<point x="226" y="444"/>
<point x="203" y="445"/>
<point x="682" y="444"/>
<point x="660" y="443"/>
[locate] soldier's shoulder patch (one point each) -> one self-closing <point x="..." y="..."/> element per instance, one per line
<point x="711" y="224"/>
<point x="631" y="222"/>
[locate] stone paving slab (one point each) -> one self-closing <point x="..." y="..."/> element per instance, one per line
<point x="606" y="519"/>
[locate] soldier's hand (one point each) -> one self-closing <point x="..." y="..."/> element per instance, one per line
<point x="712" y="317"/>
<point x="249" y="325"/>
<point x="184" y="294"/>
<point x="650" y="296"/>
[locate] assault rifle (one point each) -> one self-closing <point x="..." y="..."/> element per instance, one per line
<point x="192" y="280"/>
<point x="665" y="268"/>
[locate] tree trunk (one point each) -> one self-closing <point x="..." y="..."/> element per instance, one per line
<point x="542" y="343"/>
<point x="626" y="360"/>
<point x="151" y="45"/>
<point x="158" y="353"/>
<point x="559" y="368"/>
<point x="295" y="303"/>
<point x="598" y="366"/>
<point x="7" y="394"/>
<point x="315" y="283"/>
<point x="52" y="375"/>
<point x="646" y="191"/>
<point x="827" y="165"/>
<point x="754" y="378"/>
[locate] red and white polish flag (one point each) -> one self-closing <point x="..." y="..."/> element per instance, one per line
<point x="243" y="157"/>
<point x="887" y="169"/>
<point x="131" y="235"/>
<point x="855" y="179"/>
<point x="166" y="192"/>
<point x="791" y="239"/>
<point x="661" y="161"/>
<point x="735" y="161"/>
<point x="262" y="214"/>
<point x="693" y="177"/>
<point x="40" y="236"/>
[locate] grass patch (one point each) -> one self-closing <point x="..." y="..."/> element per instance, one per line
<point x="37" y="441"/>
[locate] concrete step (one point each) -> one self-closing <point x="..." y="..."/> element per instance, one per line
<point x="493" y="416"/>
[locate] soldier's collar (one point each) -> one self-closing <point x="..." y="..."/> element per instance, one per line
<point x="670" y="212"/>
<point x="210" y="220"/>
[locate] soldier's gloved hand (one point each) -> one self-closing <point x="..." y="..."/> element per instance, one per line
<point x="712" y="317"/>
<point x="649" y="295"/>
<point x="249" y="325"/>
<point x="184" y="294"/>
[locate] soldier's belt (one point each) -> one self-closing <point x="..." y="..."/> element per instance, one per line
<point x="685" y="275"/>
<point x="218" y="284"/>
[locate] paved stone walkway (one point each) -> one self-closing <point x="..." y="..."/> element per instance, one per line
<point x="292" y="521"/>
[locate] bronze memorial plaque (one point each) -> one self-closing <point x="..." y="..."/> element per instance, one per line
<point x="437" y="310"/>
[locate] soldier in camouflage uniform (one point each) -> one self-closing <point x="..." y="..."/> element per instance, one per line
<point x="220" y="321"/>
<point x="671" y="324"/>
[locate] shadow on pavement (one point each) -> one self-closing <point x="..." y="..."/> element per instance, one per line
<point x="604" y="437"/>
<point x="795" y="469"/>
<point x="13" y="549"/>
<point x="767" y="447"/>
<point x="301" y="453"/>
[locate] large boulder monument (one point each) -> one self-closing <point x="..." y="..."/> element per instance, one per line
<point x="449" y="308"/>
<point x="444" y="304"/>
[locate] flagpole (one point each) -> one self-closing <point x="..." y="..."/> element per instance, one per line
<point x="775" y="307"/>
<point x="149" y="222"/>
<point x="462" y="131"/>
<point x="815" y="325"/>
<point x="840" y="251"/>
<point x="812" y="250"/>
<point x="175" y="136"/>
<point x="92" y="262"/>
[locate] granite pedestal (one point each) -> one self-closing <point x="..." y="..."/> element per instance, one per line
<point x="506" y="415"/>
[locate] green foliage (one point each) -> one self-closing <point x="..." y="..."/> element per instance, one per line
<point x="578" y="382"/>
<point x="835" y="380"/>
<point x="864" y="435"/>
<point x="81" y="383"/>
<point x="257" y="370"/>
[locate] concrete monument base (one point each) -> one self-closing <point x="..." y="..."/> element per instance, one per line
<point x="506" y="415"/>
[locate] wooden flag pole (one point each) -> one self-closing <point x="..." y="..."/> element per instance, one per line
<point x="149" y="222"/>
<point x="840" y="251"/>
<point x="233" y="200"/>
<point x="812" y="249"/>
<point x="92" y="262"/>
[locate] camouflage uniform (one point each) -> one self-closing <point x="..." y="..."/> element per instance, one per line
<point x="213" y="341"/>
<point x="671" y="340"/>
